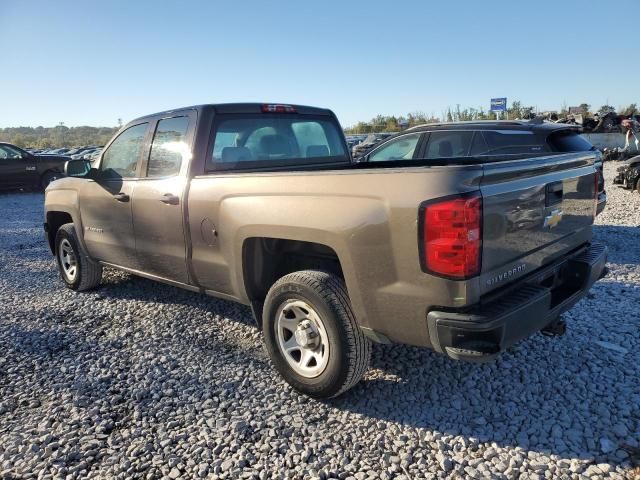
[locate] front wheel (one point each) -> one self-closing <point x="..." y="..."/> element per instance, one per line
<point x="311" y="334"/>
<point x="49" y="177"/>
<point x="78" y="272"/>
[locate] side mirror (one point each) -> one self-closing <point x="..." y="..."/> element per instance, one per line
<point x="77" y="168"/>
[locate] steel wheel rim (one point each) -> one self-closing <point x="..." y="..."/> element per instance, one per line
<point x="68" y="260"/>
<point x="302" y="338"/>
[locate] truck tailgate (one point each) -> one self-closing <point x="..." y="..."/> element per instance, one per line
<point x="535" y="210"/>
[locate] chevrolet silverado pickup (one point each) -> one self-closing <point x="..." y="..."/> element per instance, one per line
<point x="262" y="204"/>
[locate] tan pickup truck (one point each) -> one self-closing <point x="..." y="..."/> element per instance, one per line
<point x="434" y="239"/>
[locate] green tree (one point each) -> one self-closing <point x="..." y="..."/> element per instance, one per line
<point x="584" y="109"/>
<point x="606" y="109"/>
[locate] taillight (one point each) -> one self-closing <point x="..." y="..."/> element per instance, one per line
<point x="451" y="236"/>
<point x="278" y="108"/>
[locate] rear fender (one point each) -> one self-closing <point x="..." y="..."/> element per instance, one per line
<point x="356" y="233"/>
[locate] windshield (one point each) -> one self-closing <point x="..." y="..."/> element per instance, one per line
<point x="264" y="140"/>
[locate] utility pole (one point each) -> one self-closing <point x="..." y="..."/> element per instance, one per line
<point x="61" y="125"/>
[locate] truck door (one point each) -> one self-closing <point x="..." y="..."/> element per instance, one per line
<point x="158" y="201"/>
<point x="17" y="168"/>
<point x="105" y="201"/>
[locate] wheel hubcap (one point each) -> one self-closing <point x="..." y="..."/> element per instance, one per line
<point x="68" y="260"/>
<point x="302" y="338"/>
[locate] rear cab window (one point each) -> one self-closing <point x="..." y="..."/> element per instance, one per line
<point x="265" y="140"/>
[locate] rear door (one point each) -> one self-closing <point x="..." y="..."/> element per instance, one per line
<point x="158" y="201"/>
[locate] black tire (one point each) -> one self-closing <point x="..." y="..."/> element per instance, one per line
<point x="349" y="350"/>
<point x="48" y="177"/>
<point x="88" y="273"/>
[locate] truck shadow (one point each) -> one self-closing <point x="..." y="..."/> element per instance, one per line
<point x="506" y="402"/>
<point x="621" y="250"/>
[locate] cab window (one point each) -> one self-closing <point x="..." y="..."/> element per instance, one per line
<point x="120" y="160"/>
<point x="169" y="148"/>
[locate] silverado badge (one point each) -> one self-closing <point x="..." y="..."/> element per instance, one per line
<point x="553" y="219"/>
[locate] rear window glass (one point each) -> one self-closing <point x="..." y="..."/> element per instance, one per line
<point x="264" y="140"/>
<point x="569" y="142"/>
<point x="504" y="142"/>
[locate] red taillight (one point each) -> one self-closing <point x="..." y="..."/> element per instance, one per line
<point x="277" y="108"/>
<point x="451" y="236"/>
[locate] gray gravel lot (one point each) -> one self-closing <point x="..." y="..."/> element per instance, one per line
<point x="138" y="379"/>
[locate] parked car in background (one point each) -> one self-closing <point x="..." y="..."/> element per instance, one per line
<point x="82" y="153"/>
<point x="21" y="169"/>
<point x="475" y="141"/>
<point x="93" y="156"/>
<point x="368" y="143"/>
<point x="628" y="174"/>
<point x="263" y="205"/>
<point x="56" y="151"/>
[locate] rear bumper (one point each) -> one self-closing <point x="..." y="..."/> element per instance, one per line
<point x="482" y="331"/>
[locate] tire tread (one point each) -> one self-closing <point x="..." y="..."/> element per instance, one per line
<point x="333" y="290"/>
<point x="90" y="271"/>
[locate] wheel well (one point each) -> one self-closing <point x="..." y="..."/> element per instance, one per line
<point x="265" y="260"/>
<point x="54" y="221"/>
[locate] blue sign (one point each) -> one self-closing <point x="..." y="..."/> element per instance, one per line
<point x="499" y="104"/>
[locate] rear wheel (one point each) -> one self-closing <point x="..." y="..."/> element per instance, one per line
<point x="312" y="336"/>
<point x="78" y="272"/>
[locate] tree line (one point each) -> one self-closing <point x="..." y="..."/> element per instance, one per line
<point x="58" y="136"/>
<point x="392" y="123"/>
<point x="63" y="136"/>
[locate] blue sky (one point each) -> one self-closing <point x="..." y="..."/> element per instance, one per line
<point x="90" y="63"/>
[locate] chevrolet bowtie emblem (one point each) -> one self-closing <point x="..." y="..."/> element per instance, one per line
<point x="553" y="219"/>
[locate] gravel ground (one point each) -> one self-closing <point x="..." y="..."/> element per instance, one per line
<point x="139" y="379"/>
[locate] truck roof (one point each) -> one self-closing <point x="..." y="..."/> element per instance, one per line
<point x="252" y="107"/>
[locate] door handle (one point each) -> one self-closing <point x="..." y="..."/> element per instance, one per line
<point x="170" y="199"/>
<point x="121" y="197"/>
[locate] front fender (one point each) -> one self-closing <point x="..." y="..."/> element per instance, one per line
<point x="64" y="200"/>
